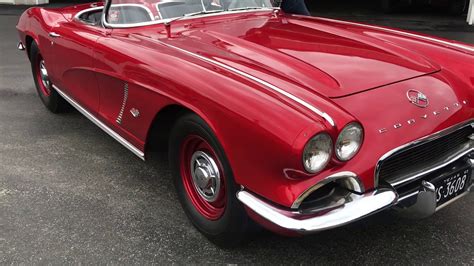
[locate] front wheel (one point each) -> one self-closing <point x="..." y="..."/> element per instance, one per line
<point x="50" y="98"/>
<point x="205" y="184"/>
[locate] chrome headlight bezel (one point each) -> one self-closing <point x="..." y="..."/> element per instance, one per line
<point x="353" y="132"/>
<point x="319" y="145"/>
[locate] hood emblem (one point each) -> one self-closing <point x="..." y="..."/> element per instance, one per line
<point x="418" y="98"/>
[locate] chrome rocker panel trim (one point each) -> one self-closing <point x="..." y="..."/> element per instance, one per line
<point x="101" y="125"/>
<point x="358" y="207"/>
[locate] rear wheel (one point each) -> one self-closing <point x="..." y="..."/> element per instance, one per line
<point x="50" y="98"/>
<point x="205" y="184"/>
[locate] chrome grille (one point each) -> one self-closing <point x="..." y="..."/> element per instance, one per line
<point x="414" y="160"/>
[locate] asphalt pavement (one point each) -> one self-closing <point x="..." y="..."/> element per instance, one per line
<point x="71" y="194"/>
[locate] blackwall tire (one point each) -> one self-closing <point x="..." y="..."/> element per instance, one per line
<point x="224" y="220"/>
<point x="50" y="98"/>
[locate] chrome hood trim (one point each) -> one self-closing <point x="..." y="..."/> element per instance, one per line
<point x="268" y="85"/>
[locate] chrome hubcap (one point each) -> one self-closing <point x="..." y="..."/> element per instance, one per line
<point x="206" y="176"/>
<point x="44" y="74"/>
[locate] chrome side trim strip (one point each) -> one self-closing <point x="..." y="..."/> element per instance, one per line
<point x="355" y="208"/>
<point x="324" y="115"/>
<point x="426" y="38"/>
<point x="101" y="125"/>
<point x="451" y="158"/>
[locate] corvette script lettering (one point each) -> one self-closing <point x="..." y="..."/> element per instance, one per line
<point x="413" y="121"/>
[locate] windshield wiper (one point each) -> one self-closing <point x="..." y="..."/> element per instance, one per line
<point x="247" y="8"/>
<point x="203" y="12"/>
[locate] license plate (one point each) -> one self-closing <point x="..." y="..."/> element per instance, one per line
<point x="452" y="186"/>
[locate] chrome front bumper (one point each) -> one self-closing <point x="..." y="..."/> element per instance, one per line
<point x="357" y="207"/>
<point x="354" y="208"/>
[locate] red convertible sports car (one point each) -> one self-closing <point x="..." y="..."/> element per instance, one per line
<point x="300" y="124"/>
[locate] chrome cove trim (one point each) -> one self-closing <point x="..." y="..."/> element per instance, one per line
<point x="322" y="114"/>
<point x="407" y="34"/>
<point x="350" y="181"/>
<point x="101" y="125"/>
<point x="124" y="103"/>
<point x="356" y="208"/>
<point x="469" y="147"/>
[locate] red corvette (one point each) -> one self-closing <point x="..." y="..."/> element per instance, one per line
<point x="300" y="124"/>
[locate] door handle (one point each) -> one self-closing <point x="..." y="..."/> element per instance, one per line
<point x="54" y="35"/>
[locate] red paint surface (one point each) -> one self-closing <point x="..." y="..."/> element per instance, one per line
<point x="349" y="71"/>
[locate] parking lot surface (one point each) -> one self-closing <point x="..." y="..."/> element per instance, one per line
<point x="69" y="193"/>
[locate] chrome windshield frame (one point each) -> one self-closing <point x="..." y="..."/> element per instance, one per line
<point x="108" y="4"/>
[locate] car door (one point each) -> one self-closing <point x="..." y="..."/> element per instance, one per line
<point x="122" y="97"/>
<point x="73" y="67"/>
<point x="121" y="94"/>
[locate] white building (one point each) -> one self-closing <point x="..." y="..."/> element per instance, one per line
<point x="470" y="16"/>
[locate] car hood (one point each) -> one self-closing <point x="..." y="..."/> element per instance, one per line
<point x="329" y="59"/>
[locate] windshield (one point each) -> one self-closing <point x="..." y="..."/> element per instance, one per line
<point x="129" y="12"/>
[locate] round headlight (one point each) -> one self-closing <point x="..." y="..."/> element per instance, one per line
<point x="317" y="153"/>
<point x="349" y="141"/>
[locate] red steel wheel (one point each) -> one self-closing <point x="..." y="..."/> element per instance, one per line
<point x="43" y="78"/>
<point x="205" y="183"/>
<point x="203" y="177"/>
<point x="50" y="97"/>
